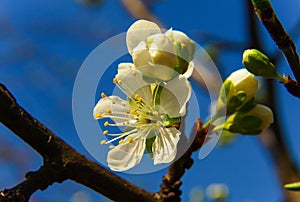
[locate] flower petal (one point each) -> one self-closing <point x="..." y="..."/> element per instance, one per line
<point x="189" y="70"/>
<point x="112" y="107"/>
<point x="131" y="82"/>
<point x="140" y="31"/>
<point x="126" y="155"/>
<point x="157" y="73"/>
<point x="165" y="145"/>
<point x="174" y="96"/>
<point x="141" y="55"/>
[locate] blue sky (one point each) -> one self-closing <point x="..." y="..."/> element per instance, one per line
<point x="43" y="45"/>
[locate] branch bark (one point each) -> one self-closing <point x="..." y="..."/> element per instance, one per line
<point x="274" y="139"/>
<point x="170" y="187"/>
<point x="61" y="161"/>
<point x="267" y="16"/>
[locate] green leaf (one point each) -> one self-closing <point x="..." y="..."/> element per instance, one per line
<point x="149" y="143"/>
<point x="293" y="186"/>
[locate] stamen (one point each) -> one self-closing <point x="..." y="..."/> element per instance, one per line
<point x="111" y="146"/>
<point x="131" y="140"/>
<point x="119" y="81"/>
<point x="133" y="73"/>
<point x="98" y="116"/>
<point x="115" y="80"/>
<point x="136" y="96"/>
<point x="103" y="142"/>
<point x="108" y="111"/>
<point x="121" y="141"/>
<point x="103" y="95"/>
<point x="106" y="123"/>
<point x="105" y="132"/>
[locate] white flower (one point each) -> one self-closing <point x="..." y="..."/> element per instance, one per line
<point x="159" y="56"/>
<point x="148" y="115"/>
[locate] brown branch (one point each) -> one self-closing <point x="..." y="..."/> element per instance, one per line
<point x="273" y="140"/>
<point x="170" y="188"/>
<point x="61" y="161"/>
<point x="267" y="16"/>
<point x="140" y="11"/>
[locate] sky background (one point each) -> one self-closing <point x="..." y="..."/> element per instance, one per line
<point x="44" y="43"/>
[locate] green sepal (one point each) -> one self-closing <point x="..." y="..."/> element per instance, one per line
<point x="182" y="63"/>
<point x="149" y="143"/>
<point x="171" y="121"/>
<point x="224" y="91"/>
<point x="293" y="186"/>
<point x="247" y="106"/>
<point x="247" y="125"/>
<point x="236" y="101"/>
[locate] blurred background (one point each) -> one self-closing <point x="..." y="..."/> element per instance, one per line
<point x="44" y="43"/>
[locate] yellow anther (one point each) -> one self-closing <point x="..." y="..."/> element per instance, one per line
<point x="132" y="111"/>
<point x="139" y="100"/>
<point x="106" y="123"/>
<point x="98" y="116"/>
<point x="133" y="73"/>
<point x="108" y="111"/>
<point x="138" y="127"/>
<point x="111" y="146"/>
<point x="105" y="132"/>
<point x="103" y="95"/>
<point x="121" y="141"/>
<point x="119" y="81"/>
<point x="136" y="96"/>
<point x="103" y="142"/>
<point x="115" y="80"/>
<point x="131" y="140"/>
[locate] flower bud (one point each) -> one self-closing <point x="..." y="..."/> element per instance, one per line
<point x="259" y="64"/>
<point x="251" y="122"/>
<point x="239" y="88"/>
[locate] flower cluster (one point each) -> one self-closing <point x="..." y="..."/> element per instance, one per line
<point x="156" y="89"/>
<point x="237" y="98"/>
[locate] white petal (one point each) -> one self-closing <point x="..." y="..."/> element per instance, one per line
<point x="165" y="145"/>
<point x="140" y="31"/>
<point x="174" y="96"/>
<point x="126" y="155"/>
<point x="141" y="55"/>
<point x="132" y="82"/>
<point x="160" y="42"/>
<point x="113" y="107"/>
<point x="157" y="72"/>
<point x="190" y="70"/>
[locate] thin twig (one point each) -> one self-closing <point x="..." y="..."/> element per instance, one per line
<point x="267" y="16"/>
<point x="61" y="161"/>
<point x="170" y="188"/>
<point x="273" y="140"/>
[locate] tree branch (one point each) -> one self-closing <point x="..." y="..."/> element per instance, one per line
<point x="273" y="140"/>
<point x="61" y="161"/>
<point x="267" y="16"/>
<point x="170" y="188"/>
